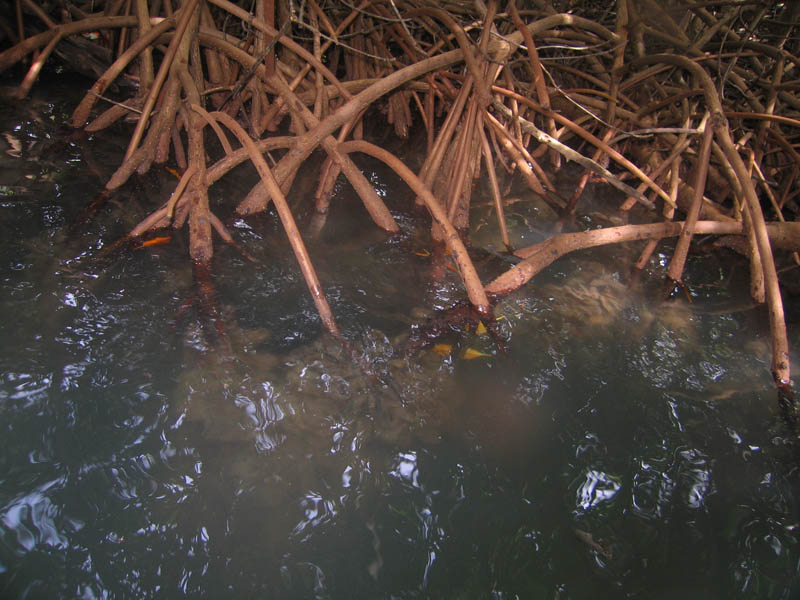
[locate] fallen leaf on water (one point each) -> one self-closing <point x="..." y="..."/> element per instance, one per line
<point x="442" y="349"/>
<point x="422" y="253"/>
<point x="155" y="242"/>
<point x="481" y="328"/>
<point x="174" y="172"/>
<point x="452" y="268"/>
<point x="471" y="353"/>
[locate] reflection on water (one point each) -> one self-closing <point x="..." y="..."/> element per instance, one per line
<point x="619" y="449"/>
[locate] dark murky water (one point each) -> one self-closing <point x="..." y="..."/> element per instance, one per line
<point x="619" y="448"/>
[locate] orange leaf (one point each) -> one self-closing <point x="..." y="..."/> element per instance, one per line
<point x="471" y="353"/>
<point x="442" y="349"/>
<point x="155" y="242"/>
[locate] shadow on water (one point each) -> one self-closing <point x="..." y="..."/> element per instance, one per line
<point x="619" y="447"/>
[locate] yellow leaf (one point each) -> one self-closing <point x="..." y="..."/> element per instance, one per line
<point x="471" y="353"/>
<point x="443" y="349"/>
<point x="422" y="253"/>
<point x="481" y="328"/>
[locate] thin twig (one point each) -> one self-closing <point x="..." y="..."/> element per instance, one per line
<point x="120" y="104"/>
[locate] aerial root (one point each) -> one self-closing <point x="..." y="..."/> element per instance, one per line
<point x="648" y="121"/>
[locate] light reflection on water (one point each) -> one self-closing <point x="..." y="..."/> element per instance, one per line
<point x="144" y="458"/>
